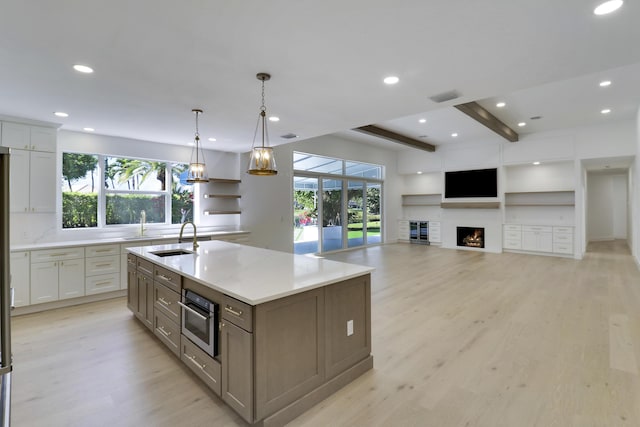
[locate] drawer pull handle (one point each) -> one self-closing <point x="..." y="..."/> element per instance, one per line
<point x="162" y="276"/>
<point x="104" y="265"/>
<point x="193" y="360"/>
<point x="230" y="309"/>
<point x="191" y="310"/>
<point x="103" y="283"/>
<point x="164" y="301"/>
<point x="164" y="332"/>
<point x="59" y="254"/>
<point x="103" y="250"/>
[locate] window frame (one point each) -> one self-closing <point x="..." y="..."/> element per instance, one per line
<point x="103" y="192"/>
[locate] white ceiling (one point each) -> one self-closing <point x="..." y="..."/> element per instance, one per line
<point x="155" y="60"/>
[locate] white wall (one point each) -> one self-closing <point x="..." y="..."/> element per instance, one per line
<point x="268" y="201"/>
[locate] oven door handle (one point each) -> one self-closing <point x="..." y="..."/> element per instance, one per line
<point x="186" y="307"/>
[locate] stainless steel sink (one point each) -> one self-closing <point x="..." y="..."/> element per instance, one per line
<point x="171" y="252"/>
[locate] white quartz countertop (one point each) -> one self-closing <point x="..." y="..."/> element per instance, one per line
<point x="252" y="275"/>
<point x="109" y="240"/>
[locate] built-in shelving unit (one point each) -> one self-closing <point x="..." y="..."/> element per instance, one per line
<point x="540" y="198"/>
<point x="433" y="199"/>
<point x="222" y="197"/>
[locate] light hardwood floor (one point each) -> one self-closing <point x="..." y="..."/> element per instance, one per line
<point x="460" y="338"/>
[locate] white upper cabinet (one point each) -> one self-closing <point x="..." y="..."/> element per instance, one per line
<point x="25" y="137"/>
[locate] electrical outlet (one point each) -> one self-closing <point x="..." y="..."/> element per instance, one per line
<point x="349" y="328"/>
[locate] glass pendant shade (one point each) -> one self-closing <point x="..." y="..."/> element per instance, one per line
<point x="262" y="162"/>
<point x="197" y="167"/>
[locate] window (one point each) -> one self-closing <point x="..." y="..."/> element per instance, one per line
<point x="104" y="190"/>
<point x="336" y="203"/>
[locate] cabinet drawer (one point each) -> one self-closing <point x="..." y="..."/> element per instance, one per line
<point x="167" y="331"/>
<point x="102" y="283"/>
<point x="205" y="367"/>
<point x="144" y="266"/>
<point x="563" y="238"/>
<point x="512" y="235"/>
<point x="47" y="255"/>
<point x="563" y="248"/>
<point x="166" y="301"/>
<point x="434" y="226"/>
<point x="102" y="265"/>
<point x="102" y="250"/>
<point x="512" y="227"/>
<point x="538" y="228"/>
<point x="563" y="230"/>
<point x="512" y="243"/>
<point x="167" y="277"/>
<point x="237" y="312"/>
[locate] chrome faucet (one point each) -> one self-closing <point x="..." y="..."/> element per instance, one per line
<point x="195" y="237"/>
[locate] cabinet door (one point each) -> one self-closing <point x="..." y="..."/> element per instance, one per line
<point x="71" y="278"/>
<point x="141" y="307"/>
<point x="529" y="241"/>
<point x="43" y="139"/>
<point x="545" y="242"/>
<point x="15" y="135"/>
<point x="132" y="289"/>
<point x="44" y="282"/>
<point x="19" y="181"/>
<point x="20" y="278"/>
<point x="42" y="191"/>
<point x="149" y="312"/>
<point x="237" y="369"/>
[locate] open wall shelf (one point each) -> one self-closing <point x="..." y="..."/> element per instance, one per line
<point x="433" y="199"/>
<point x="221" y="197"/>
<point x="540" y="198"/>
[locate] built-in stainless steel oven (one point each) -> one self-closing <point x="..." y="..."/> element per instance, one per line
<point x="200" y="321"/>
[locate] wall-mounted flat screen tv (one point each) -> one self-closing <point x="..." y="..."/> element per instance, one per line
<point x="471" y="183"/>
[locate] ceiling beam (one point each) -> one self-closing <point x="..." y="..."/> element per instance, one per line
<point x="477" y="112"/>
<point x="395" y="137"/>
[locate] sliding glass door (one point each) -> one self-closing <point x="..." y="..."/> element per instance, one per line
<point x="332" y="215"/>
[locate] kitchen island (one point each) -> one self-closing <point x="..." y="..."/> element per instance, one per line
<point x="290" y="329"/>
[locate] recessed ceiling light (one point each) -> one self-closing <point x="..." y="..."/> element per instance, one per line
<point x="274" y="119"/>
<point x="606" y="111"/>
<point x="211" y="139"/>
<point x="605" y="83"/>
<point x="536" y="163"/>
<point x="83" y="69"/>
<point x="501" y="104"/>
<point x="607" y="7"/>
<point x="454" y="135"/>
<point x="391" y="80"/>
<point x="88" y="129"/>
<point x="423" y="120"/>
<point x="60" y="114"/>
<point x="419" y="172"/>
<point x="522" y="124"/>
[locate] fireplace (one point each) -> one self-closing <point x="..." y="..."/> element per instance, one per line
<point x="471" y="237"/>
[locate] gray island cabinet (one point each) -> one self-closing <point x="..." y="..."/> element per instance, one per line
<point x="291" y="329"/>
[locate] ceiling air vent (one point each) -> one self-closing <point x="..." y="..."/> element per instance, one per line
<point x="289" y="136"/>
<point x="445" y="96"/>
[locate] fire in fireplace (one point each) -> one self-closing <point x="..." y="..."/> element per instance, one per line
<point x="472" y="237"/>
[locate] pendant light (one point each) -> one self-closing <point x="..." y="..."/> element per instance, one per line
<point x="262" y="161"/>
<point x="197" y="169"/>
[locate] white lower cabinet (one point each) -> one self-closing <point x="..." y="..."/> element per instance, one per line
<point x="56" y="274"/>
<point x="102" y="269"/>
<point x="538" y="238"/>
<point x="403" y="230"/>
<point x="20" y="278"/>
<point x="434" y="232"/>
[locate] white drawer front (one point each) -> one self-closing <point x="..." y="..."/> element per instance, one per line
<point x="512" y="244"/>
<point x="102" y="250"/>
<point x="563" y="238"/>
<point x="47" y="255"/>
<point x="102" y="283"/>
<point x="512" y="235"/>
<point x="102" y="265"/>
<point x="563" y="230"/>
<point x="512" y="227"/>
<point x="539" y="228"/>
<point x="434" y="235"/>
<point x="563" y="248"/>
